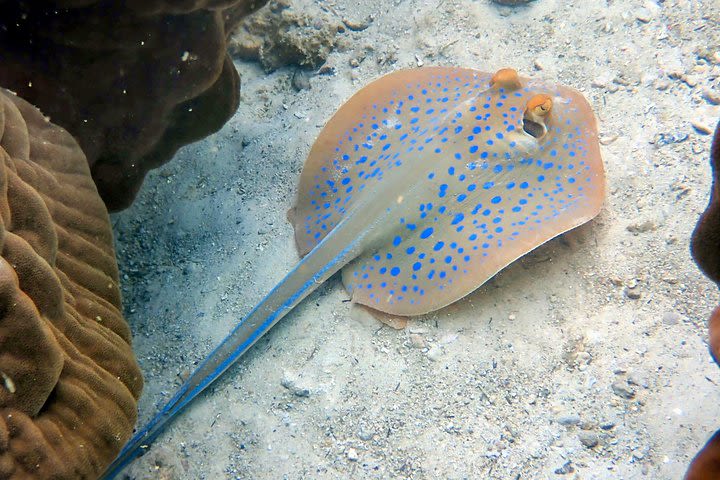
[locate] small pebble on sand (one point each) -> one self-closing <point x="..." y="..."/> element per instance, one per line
<point x="568" y="420"/>
<point x="671" y="318"/>
<point x="622" y="389"/>
<point x="588" y="439"/>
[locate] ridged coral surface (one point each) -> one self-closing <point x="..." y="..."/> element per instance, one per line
<point x="69" y="381"/>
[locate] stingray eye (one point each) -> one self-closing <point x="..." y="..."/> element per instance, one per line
<point x="536" y="112"/>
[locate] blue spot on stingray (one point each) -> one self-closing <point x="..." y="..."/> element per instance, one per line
<point x="417" y="266"/>
<point x="524" y="185"/>
<point x="426" y="233"/>
<point x="397" y="240"/>
<point x="395" y="271"/>
<point x="410" y="250"/>
<point x="438" y="246"/>
<point x="458" y="218"/>
<point x="496" y="200"/>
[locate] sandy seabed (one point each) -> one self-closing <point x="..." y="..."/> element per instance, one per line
<point x="585" y="359"/>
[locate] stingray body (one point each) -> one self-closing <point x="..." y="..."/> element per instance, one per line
<point x="420" y="188"/>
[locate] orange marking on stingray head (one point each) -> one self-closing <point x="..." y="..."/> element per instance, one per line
<point x="506" y="78"/>
<point x="536" y="112"/>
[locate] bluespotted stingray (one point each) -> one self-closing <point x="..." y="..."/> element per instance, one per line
<point x="420" y="188"/>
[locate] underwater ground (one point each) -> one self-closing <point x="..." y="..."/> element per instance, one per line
<point x="584" y="359"/>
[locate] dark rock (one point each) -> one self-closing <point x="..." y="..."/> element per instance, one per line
<point x="301" y="80"/>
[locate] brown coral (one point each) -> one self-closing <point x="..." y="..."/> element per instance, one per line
<point x="132" y="81"/>
<point x="706" y="253"/>
<point x="706" y="237"/>
<point x="69" y="382"/>
<point x="706" y="465"/>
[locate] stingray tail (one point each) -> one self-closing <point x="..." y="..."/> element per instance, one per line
<point x="319" y="265"/>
